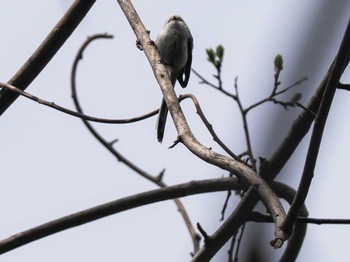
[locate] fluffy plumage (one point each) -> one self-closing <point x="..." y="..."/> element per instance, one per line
<point x="175" y="44"/>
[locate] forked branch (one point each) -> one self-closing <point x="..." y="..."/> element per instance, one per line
<point x="185" y="135"/>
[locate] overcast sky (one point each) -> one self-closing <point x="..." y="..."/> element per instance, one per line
<point x="51" y="166"/>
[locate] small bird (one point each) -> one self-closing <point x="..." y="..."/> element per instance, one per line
<point x="174" y="43"/>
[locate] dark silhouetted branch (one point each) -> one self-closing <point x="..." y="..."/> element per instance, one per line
<point x="120" y="205"/>
<point x="337" y="69"/>
<point x="44" y="53"/>
<point x="73" y="113"/>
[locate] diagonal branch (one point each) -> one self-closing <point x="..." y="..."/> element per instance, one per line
<point x="219" y="88"/>
<point x="117" y="206"/>
<point x="209" y="126"/>
<point x="185" y="135"/>
<point x="46" y="51"/>
<point x="339" y="65"/>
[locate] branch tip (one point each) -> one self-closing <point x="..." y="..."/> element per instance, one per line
<point x="204" y="234"/>
<point x="178" y="140"/>
<point x="276" y="243"/>
<point x="113" y="141"/>
<point x="161" y="175"/>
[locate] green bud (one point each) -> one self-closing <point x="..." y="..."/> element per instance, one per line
<point x="211" y="55"/>
<point x="220" y="52"/>
<point x="278" y="62"/>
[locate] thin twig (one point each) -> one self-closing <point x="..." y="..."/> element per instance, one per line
<point x="232" y="247"/>
<point x="297" y="83"/>
<point x="74" y="113"/>
<point x="239" y="241"/>
<point x="219" y="88"/>
<point x="269" y="98"/>
<point x="209" y="126"/>
<point x="276" y="82"/>
<point x="305" y="108"/>
<point x="245" y="127"/>
<point x="224" y="207"/>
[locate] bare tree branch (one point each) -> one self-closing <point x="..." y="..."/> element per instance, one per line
<point x="245" y="127"/>
<point x="184" y="133"/>
<point x="219" y="88"/>
<point x="296" y="239"/>
<point x="120" y="205"/>
<point x="344" y="86"/>
<point x="269" y="169"/>
<point x="109" y="146"/>
<point x="73" y="113"/>
<point x="44" y="53"/>
<point x="261" y="218"/>
<point x="245" y="111"/>
<point x="339" y="65"/>
<point x="274" y="94"/>
<point x="209" y="126"/>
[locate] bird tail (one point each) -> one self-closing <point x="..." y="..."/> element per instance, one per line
<point x="163" y="112"/>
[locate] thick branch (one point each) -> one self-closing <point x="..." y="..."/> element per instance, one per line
<point x="46" y="51"/>
<point x="127" y="203"/>
<point x="341" y="62"/>
<point x="296" y="240"/>
<point x="185" y="135"/>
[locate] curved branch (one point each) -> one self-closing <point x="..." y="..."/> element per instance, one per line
<point x="296" y="240"/>
<point x="209" y="126"/>
<point x="109" y="146"/>
<point x="120" y="205"/>
<point x="73" y="113"/>
<point x="185" y="135"/>
<point x="46" y="51"/>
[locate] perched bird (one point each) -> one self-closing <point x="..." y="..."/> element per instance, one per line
<point x="174" y="43"/>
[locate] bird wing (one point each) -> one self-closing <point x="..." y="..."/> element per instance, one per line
<point x="187" y="69"/>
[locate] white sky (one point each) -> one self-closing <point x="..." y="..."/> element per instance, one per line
<point x="51" y="166"/>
